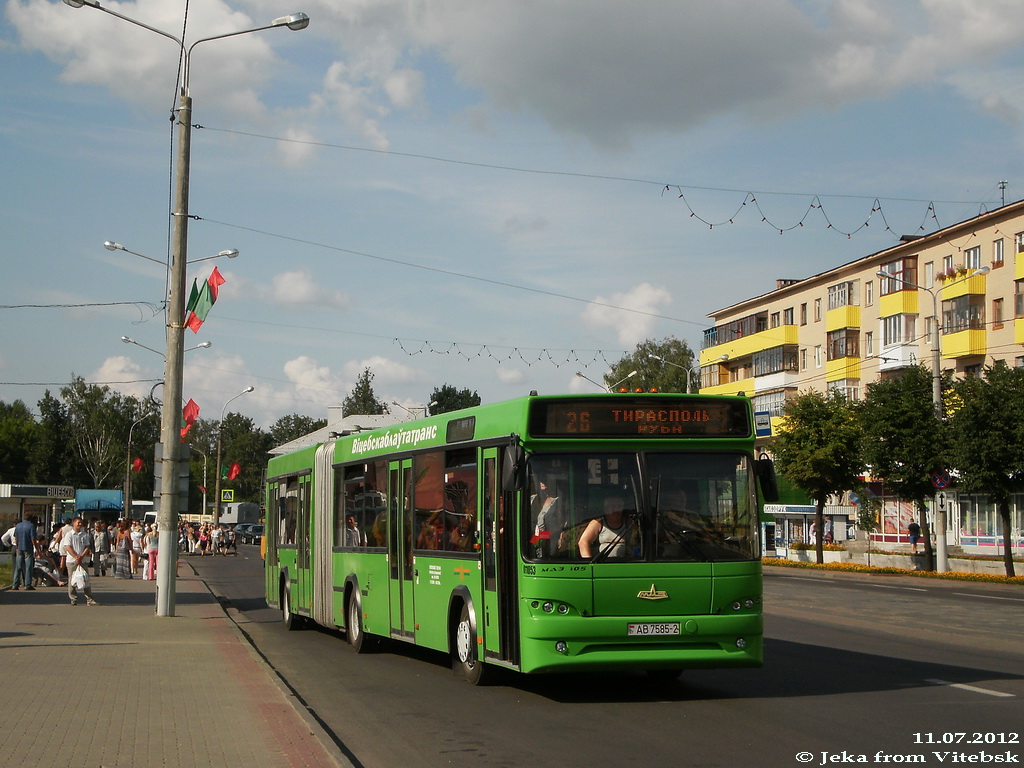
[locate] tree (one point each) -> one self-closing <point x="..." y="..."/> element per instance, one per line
<point x="293" y="426"/>
<point x="18" y="434"/>
<point x="672" y="375"/>
<point x="448" y="399"/>
<point x="97" y="429"/>
<point x="818" y="449"/>
<point x="986" y="427"/>
<point x="361" y="400"/>
<point x="53" y="460"/>
<point x="904" y="441"/>
<point x="244" y="444"/>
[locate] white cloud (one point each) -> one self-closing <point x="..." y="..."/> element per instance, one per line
<point x="298" y="289"/>
<point x="119" y="372"/>
<point x="630" y="327"/>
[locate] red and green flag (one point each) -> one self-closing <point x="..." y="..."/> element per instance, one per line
<point x="201" y="300"/>
<point x="230" y="473"/>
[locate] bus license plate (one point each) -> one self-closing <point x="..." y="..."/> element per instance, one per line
<point x="653" y="629"/>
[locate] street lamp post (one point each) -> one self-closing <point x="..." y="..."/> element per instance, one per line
<point x="170" y="435"/>
<point x="941" y="556"/>
<point x="128" y="469"/>
<point x="220" y="429"/>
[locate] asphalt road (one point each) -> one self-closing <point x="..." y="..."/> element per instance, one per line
<point x="894" y="670"/>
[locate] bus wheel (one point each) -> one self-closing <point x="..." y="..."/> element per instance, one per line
<point x="465" y="660"/>
<point x="354" y="626"/>
<point x="291" y="621"/>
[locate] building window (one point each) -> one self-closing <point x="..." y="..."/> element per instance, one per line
<point x="1018" y="298"/>
<point x="903" y="276"/>
<point x="1018" y="362"/>
<point x="803" y="359"/>
<point x="997" y="252"/>
<point x="803" y="314"/>
<point x="972" y="257"/>
<point x="841" y="295"/>
<point x="929" y="327"/>
<point x="849" y="388"/>
<point x="1018" y="241"/>
<point x="869" y="293"/>
<point x="972" y="370"/>
<point x="817" y="356"/>
<point x="898" y="329"/>
<point x="929" y="274"/>
<point x="843" y="343"/>
<point x="963" y="313"/>
<point x="869" y="343"/>
<point x="774" y="360"/>
<point x="787" y="316"/>
<point x="771" y="402"/>
<point x="817" y="310"/>
<point x="776" y="318"/>
<point x="997" y="313"/>
<point x="947" y="263"/>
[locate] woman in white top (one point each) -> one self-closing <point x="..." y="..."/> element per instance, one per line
<point x="605" y="535"/>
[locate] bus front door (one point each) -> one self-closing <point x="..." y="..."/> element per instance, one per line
<point x="501" y="619"/>
<point x="400" y="548"/>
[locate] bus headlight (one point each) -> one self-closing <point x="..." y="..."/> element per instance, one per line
<point x="548" y="607"/>
<point x="563" y="608"/>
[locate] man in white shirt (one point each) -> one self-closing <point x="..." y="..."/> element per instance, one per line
<point x="8" y="541"/>
<point x="77" y="547"/>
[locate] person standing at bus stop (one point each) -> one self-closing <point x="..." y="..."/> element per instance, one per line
<point x="100" y="549"/>
<point x="25" y="541"/>
<point x="914" y="534"/>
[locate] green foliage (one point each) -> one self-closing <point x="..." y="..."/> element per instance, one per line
<point x="987" y="439"/>
<point x="669" y="376"/>
<point x="18" y="435"/>
<point x="293" y="426"/>
<point x="818" y="447"/>
<point x="904" y="441"/>
<point x="449" y="399"/>
<point x="362" y="400"/>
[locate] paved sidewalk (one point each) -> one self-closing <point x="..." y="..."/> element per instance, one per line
<point x="115" y="685"/>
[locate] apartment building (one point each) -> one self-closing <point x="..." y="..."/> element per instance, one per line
<point x="960" y="288"/>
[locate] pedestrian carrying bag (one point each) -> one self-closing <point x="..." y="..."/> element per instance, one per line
<point x="80" y="578"/>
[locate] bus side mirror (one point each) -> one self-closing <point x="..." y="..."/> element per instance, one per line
<point x="514" y="465"/>
<point x="765" y="471"/>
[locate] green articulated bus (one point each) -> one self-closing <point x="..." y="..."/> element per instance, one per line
<point x="542" y="534"/>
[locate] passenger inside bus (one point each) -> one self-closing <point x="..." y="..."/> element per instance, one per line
<point x="550" y="531"/>
<point x="606" y="535"/>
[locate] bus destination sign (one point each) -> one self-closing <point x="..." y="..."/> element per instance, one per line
<point x="633" y="417"/>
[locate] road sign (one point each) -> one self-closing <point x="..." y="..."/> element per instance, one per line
<point x="227" y="494"/>
<point x="762" y="424"/>
<point x="941" y="479"/>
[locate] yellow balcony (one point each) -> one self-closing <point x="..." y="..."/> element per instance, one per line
<point x="842" y="317"/>
<point x="972" y="285"/>
<point x="964" y="343"/>
<point x="1019" y="270"/>
<point x="746" y="386"/>
<point x="898" y="303"/>
<point x="842" y="368"/>
<point x="1018" y="330"/>
<point x="748" y="345"/>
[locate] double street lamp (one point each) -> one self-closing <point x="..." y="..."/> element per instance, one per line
<point x="941" y="557"/>
<point x="170" y="435"/>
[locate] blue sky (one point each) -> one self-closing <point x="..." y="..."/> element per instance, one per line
<point x="471" y="192"/>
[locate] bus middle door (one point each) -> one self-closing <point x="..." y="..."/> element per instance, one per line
<point x="400" y="563"/>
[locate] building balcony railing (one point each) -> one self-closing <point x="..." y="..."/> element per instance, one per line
<point x="965" y="343"/>
<point x="898" y="356"/>
<point x="748" y="345"/>
<point x="842" y="368"/>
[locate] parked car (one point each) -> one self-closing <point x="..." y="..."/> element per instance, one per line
<point x="241" y="529"/>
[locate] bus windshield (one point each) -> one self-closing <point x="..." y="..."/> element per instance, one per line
<point x="641" y="507"/>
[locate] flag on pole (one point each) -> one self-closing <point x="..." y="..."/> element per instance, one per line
<point x="235" y="471"/>
<point x="189" y="414"/>
<point x="137" y="464"/>
<point x="201" y="300"/>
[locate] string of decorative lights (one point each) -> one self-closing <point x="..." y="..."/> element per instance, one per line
<point x="749" y="196"/>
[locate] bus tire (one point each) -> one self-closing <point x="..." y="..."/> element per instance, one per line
<point x="292" y="622"/>
<point x="357" y="637"/>
<point x="465" y="658"/>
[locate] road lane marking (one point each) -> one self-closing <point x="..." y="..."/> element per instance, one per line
<point x="972" y="688"/>
<point x="890" y="586"/>
<point x="991" y="597"/>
